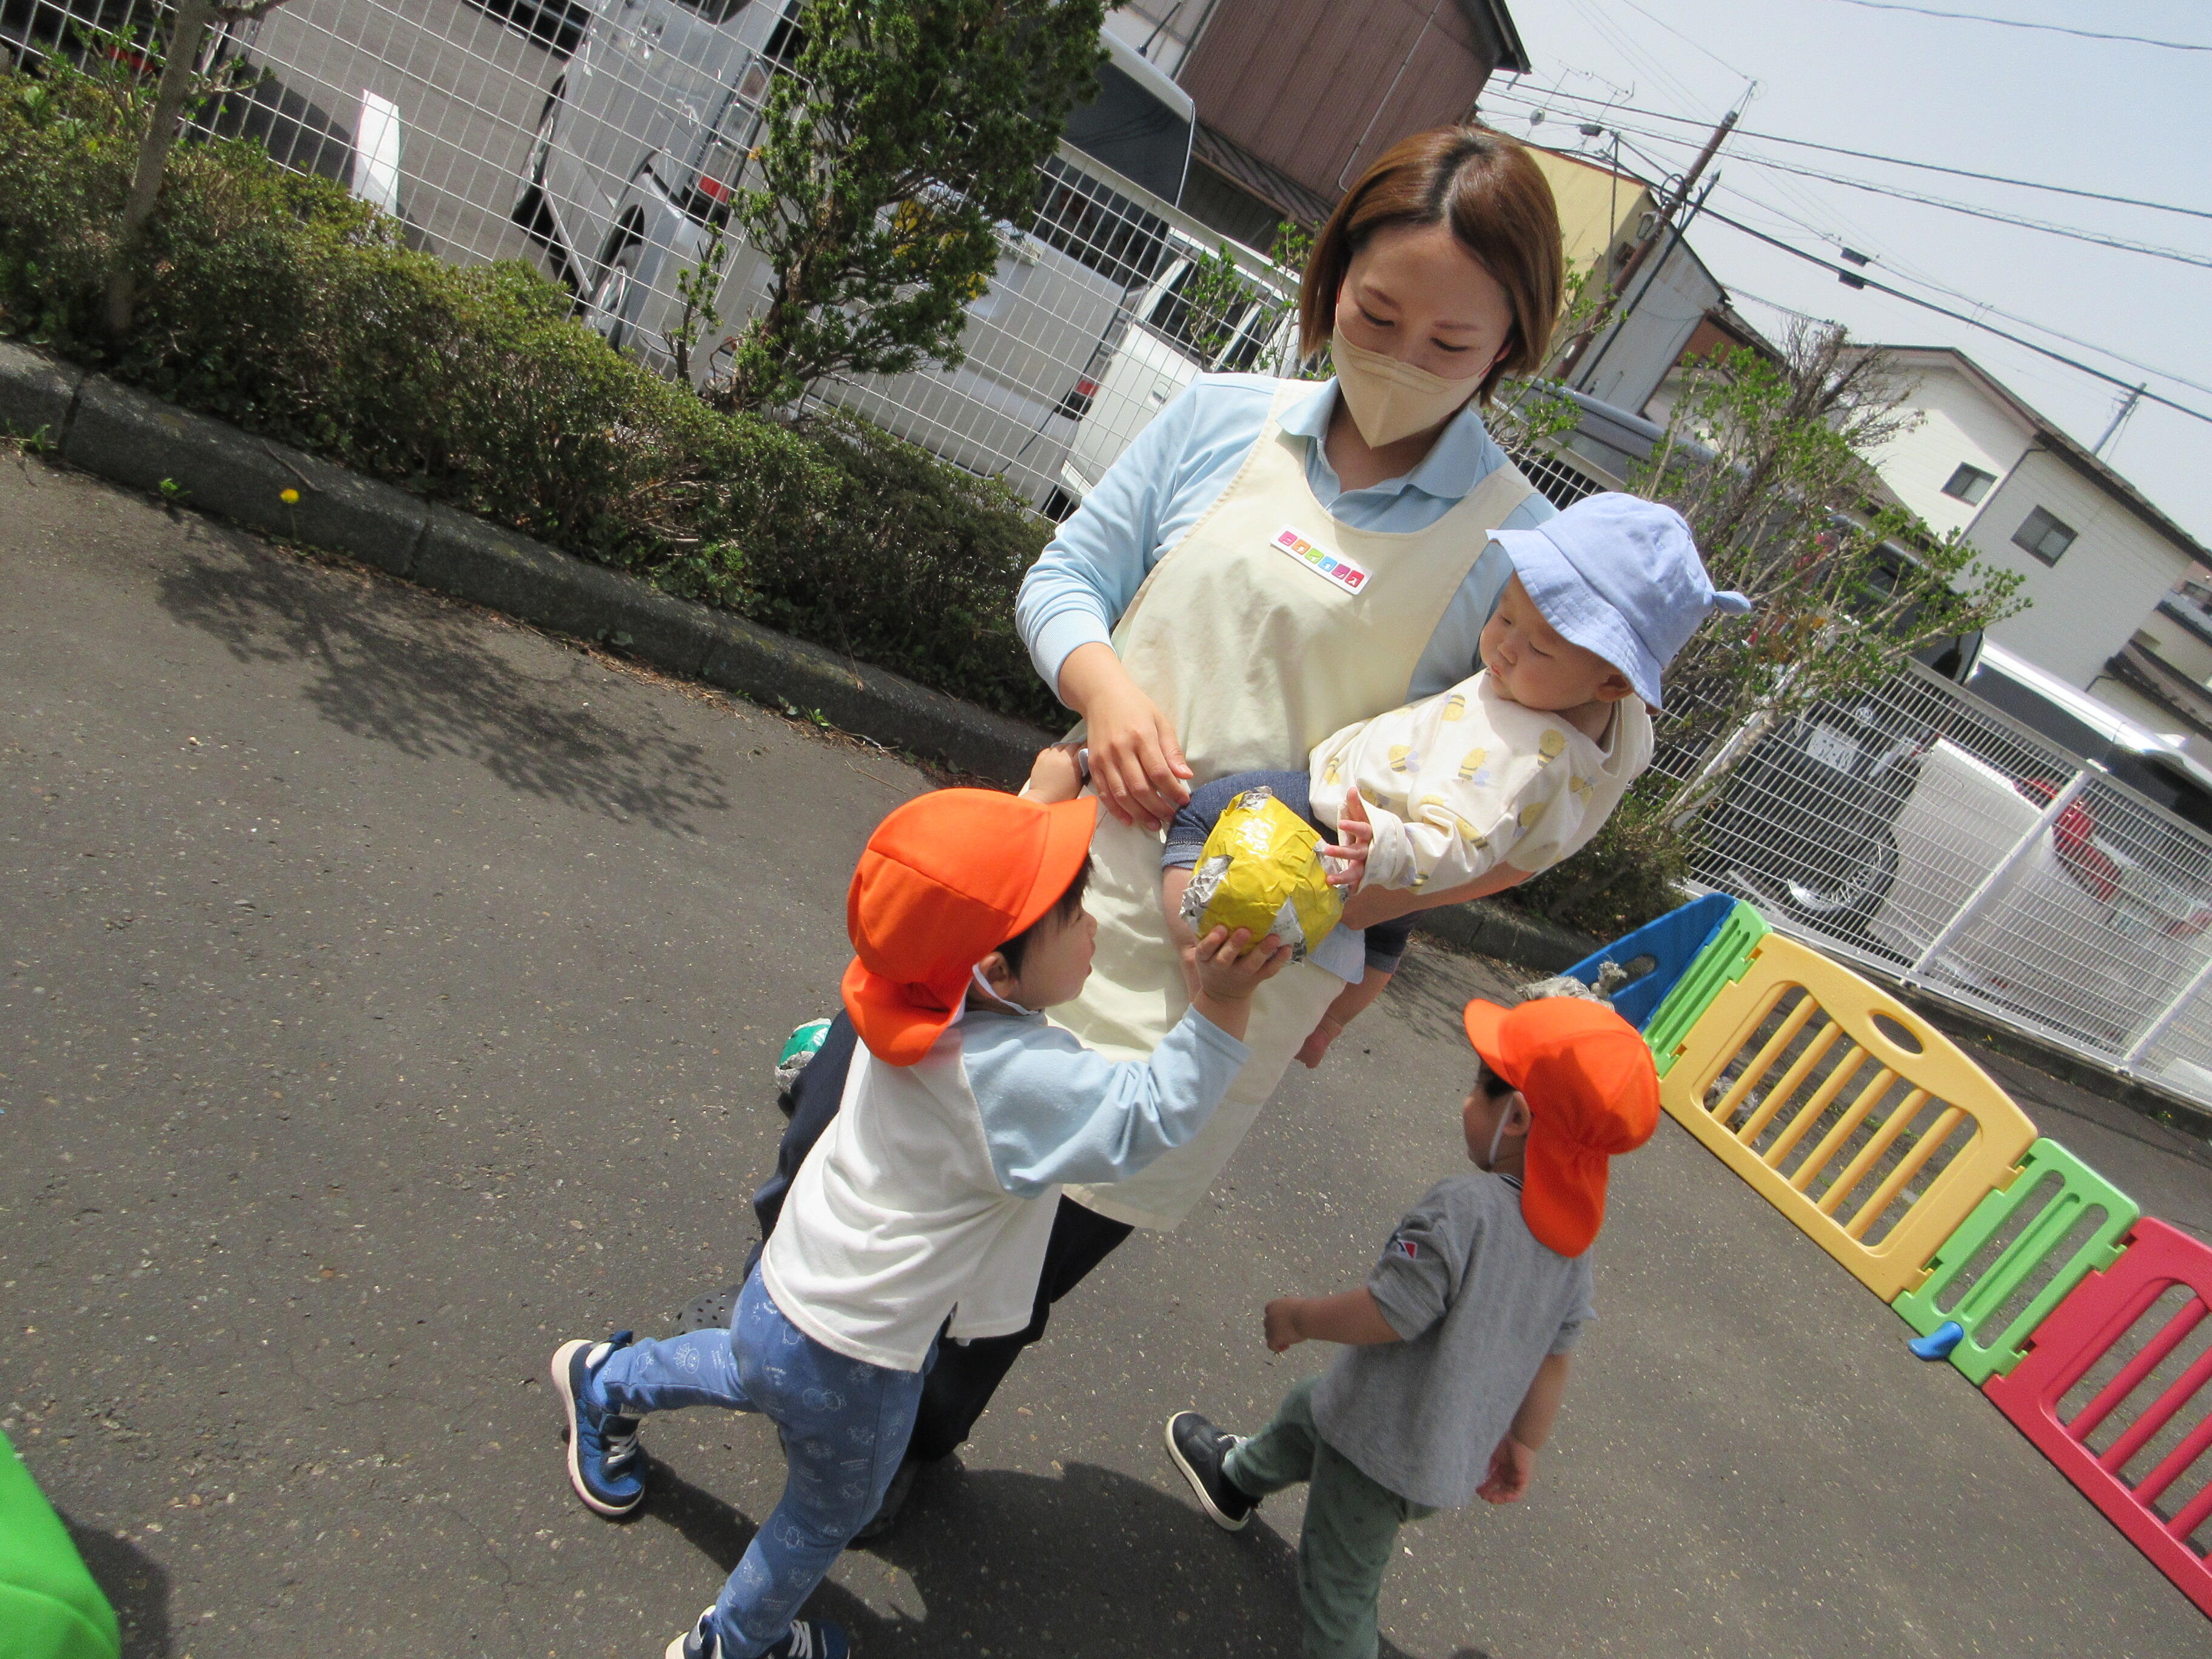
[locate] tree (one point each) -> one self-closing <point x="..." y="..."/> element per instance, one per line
<point x="1768" y="461"/>
<point x="906" y="132"/>
<point x="188" y="29"/>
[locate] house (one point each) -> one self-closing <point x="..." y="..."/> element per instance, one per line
<point x="1296" y="97"/>
<point x="2099" y="560"/>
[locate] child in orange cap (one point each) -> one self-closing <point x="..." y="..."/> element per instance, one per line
<point x="916" y="1213"/>
<point x="1456" y="1346"/>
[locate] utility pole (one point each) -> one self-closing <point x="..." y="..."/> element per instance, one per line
<point x="1674" y="203"/>
<point x="2120" y="418"/>
<point x="1618" y="284"/>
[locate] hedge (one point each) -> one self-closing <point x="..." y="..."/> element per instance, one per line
<point x="279" y="303"/>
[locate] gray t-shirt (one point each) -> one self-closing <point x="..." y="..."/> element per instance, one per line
<point x="1480" y="1303"/>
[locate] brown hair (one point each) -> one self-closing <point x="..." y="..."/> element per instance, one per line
<point x="1499" y="206"/>
<point x="1065" y="909"/>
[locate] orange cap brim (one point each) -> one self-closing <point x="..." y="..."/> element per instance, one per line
<point x="1068" y="827"/>
<point x="1482" y="1020"/>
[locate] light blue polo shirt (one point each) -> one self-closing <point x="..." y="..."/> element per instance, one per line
<point x="1178" y="467"/>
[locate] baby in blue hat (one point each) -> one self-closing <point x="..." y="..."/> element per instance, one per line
<point x="1509" y="772"/>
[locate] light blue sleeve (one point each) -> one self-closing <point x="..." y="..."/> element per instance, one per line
<point x="1053" y="1110"/>
<point x="1455" y="650"/>
<point x="1090" y="571"/>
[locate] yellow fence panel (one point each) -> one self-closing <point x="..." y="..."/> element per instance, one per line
<point x="1846" y="1110"/>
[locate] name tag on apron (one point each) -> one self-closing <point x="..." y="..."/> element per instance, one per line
<point x="1339" y="570"/>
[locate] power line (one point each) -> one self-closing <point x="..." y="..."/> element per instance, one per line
<point x="1924" y="281"/>
<point x="1874" y="156"/>
<point x="1969" y="209"/>
<point x="2072" y="233"/>
<point x="1860" y="279"/>
<point x="2018" y="23"/>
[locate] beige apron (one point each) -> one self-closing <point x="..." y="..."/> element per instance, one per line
<point x="1268" y="627"/>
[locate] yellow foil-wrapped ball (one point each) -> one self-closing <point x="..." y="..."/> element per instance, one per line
<point x="1261" y="870"/>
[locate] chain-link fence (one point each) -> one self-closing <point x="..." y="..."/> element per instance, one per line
<point x="1917" y="830"/>
<point x="604" y="141"/>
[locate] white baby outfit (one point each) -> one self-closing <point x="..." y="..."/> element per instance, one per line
<point x="1465" y="780"/>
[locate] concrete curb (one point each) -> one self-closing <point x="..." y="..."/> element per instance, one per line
<point x="129" y="438"/>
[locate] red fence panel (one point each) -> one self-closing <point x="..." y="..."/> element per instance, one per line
<point x="2156" y="1398"/>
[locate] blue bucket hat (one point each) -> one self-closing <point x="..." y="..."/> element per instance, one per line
<point x="1620" y="576"/>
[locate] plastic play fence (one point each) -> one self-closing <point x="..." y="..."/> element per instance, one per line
<point x="1843" y="1108"/>
<point x="1833" y="1100"/>
<point x="2135" y="1446"/>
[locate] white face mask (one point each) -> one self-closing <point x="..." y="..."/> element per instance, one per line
<point x="1389" y="399"/>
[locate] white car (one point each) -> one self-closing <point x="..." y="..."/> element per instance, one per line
<point x="2106" y="915"/>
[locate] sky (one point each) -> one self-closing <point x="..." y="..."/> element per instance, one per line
<point x="2101" y="116"/>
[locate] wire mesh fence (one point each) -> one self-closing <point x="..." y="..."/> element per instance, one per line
<point x="1913" y="829"/>
<point x="1917" y="830"/>
<point x="604" y="144"/>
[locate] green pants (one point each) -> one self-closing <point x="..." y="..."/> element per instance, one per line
<point x="1351" y="1524"/>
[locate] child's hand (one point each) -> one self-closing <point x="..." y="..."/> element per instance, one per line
<point x="1317" y="1040"/>
<point x="1057" y="774"/>
<point x="1512" y="1466"/>
<point x="1282" y="1323"/>
<point x="1355" y="837"/>
<point x="1231" y="967"/>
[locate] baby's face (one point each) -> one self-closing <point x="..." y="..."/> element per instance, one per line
<point x="1534" y="666"/>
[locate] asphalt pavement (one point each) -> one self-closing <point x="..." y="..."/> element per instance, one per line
<point x="390" y="992"/>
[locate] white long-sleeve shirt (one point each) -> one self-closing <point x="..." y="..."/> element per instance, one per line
<point x="930" y="1195"/>
<point x="1468" y="778"/>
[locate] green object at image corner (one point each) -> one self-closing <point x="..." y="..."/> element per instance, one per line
<point x="49" y="1608"/>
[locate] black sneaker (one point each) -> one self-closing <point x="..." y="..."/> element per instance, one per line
<point x="807" y="1638"/>
<point x="1199" y="1449"/>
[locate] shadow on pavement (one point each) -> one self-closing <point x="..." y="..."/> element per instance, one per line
<point x="422" y="675"/>
<point x="136" y="1586"/>
<point x="1091" y="1562"/>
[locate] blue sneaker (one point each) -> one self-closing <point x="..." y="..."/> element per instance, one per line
<point x="604" y="1465"/>
<point x="807" y="1638"/>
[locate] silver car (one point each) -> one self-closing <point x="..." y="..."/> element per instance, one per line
<point x="643" y="143"/>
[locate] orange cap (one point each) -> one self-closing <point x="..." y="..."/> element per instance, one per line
<point x="1593" y="1093"/>
<point x="946" y="880"/>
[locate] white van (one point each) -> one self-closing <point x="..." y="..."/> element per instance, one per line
<point x="1161" y="343"/>
<point x="642" y="143"/>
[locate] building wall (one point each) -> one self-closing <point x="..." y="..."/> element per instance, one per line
<point x="1599" y="209"/>
<point x="1960" y="422"/>
<point x="2104" y="587"/>
<point x="2183" y="644"/>
<point x="1625" y="365"/>
<point x="1320" y="88"/>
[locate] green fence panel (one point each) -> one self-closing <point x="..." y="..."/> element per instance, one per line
<point x="2056" y="1190"/>
<point x="1720" y="963"/>
<point x="49" y="1608"/>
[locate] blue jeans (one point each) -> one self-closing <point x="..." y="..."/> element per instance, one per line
<point x="845" y="1425"/>
<point x="1189" y="828"/>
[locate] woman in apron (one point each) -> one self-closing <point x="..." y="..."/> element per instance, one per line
<point x="1171" y="613"/>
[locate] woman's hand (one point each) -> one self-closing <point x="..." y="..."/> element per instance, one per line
<point x="1136" y="764"/>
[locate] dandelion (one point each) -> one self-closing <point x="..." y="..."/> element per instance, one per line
<point x="290" y="497"/>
